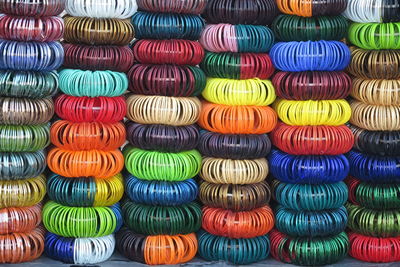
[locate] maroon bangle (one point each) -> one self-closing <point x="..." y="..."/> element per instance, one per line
<point x="31" y="8"/>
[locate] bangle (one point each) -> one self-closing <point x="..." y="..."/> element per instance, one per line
<point x="312" y="85"/>
<point x="374" y="117"/>
<point x="374" y="249"/>
<point x="376" y="92"/>
<point x="310" y="224"/>
<point x="150" y="25"/>
<point x="238" y="224"/>
<point x="310" y="56"/>
<point x="237" y="251"/>
<point x="159" y="166"/>
<point x="85" y="192"/>
<point x="79" y="250"/>
<point x="235" y="197"/>
<point x="81" y="221"/>
<point x="87" y="109"/>
<point x="26" y="138"/>
<point x="163" y="138"/>
<point x="22" y="165"/>
<point x="93" y="83"/>
<point x="171" y="6"/>
<point x="97" y="163"/>
<point x="293" y="28"/>
<point x="26" y="29"/>
<point x="251" y="92"/>
<point x="22" y="193"/>
<point x="313" y="113"/>
<point x="87" y="135"/>
<point x="166" y="80"/>
<point x="365" y="11"/>
<point x="158" y="249"/>
<point x="237" y="119"/>
<point x="237" y="66"/>
<point x="90" y="31"/>
<point x="309" y="169"/>
<point x="104" y="57"/>
<point x="175" y="51"/>
<point x="219" y="38"/>
<point x="377" y="223"/>
<point x="175" y="111"/>
<point x="307" y="197"/>
<point x="312" y="8"/>
<point x="120" y="9"/>
<point x="375" y="35"/>
<point x="160" y="193"/>
<point x="312" y="140"/>
<point x="20" y="220"/>
<point x="234" y="146"/>
<point x="308" y="250"/>
<point x="22" y="247"/>
<point x="32" y="9"/>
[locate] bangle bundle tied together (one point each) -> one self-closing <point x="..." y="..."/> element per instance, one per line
<point x="32" y="9"/>
<point x="121" y="9"/>
<point x="365" y="11"/>
<point x="312" y="8"/>
<point x="376" y="92"/>
<point x="375" y="35"/>
<point x="21" y="165"/>
<point x="19" y="220"/>
<point x="172" y="6"/>
<point x="26" y="138"/>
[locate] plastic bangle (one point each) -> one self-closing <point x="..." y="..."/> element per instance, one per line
<point x="365" y="11"/>
<point x="167" y="26"/>
<point x="376" y="92"/>
<point x="307" y="197"/>
<point x="175" y="111"/>
<point x="310" y="55"/>
<point x="166" y="80"/>
<point x="375" y="35"/>
<point x="237" y="119"/>
<point x="22" y="165"/>
<point x="121" y="9"/>
<point x="239" y="224"/>
<point x="96" y="163"/>
<point x="85" y="192"/>
<point x="237" y="251"/>
<point x="32" y="9"/>
<point x="27" y="138"/>
<point x="308" y="251"/>
<point x="234" y="197"/>
<point x="81" y="221"/>
<point x="106" y="57"/>
<point x="87" y="135"/>
<point x="308" y="169"/>
<point x="163" y="138"/>
<point x="160" y="193"/>
<point x="171" y="6"/>
<point x="86" y="109"/>
<point x="237" y="66"/>
<point x="22" y="247"/>
<point x="233" y="146"/>
<point x="79" y="250"/>
<point x="237" y="38"/>
<point x="20" y="220"/>
<point x="312" y="8"/>
<point x="312" y="85"/>
<point x="251" y="92"/>
<point x="22" y="193"/>
<point x="175" y="51"/>
<point x="98" y="31"/>
<point x="312" y="140"/>
<point x="153" y="165"/>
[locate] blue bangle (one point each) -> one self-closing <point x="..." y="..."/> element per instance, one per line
<point x="22" y="165"/>
<point x="312" y="169"/>
<point x="35" y="56"/>
<point x="159" y="192"/>
<point x="310" y="56"/>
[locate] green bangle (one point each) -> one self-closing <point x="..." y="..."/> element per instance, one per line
<point x="159" y="166"/>
<point x="375" y="35"/>
<point x="26" y="138"/>
<point x="378" y="196"/>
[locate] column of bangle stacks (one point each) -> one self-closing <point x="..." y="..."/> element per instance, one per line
<point x="86" y="184"/>
<point x="310" y="140"/>
<point x="374" y="203"/>
<point x="160" y="214"/>
<point x="235" y="117"/>
<point x="30" y="54"/>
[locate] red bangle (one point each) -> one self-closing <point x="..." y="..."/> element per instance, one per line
<point x="312" y="140"/>
<point x="352" y="184"/>
<point x="20" y="220"/>
<point x="87" y="109"/>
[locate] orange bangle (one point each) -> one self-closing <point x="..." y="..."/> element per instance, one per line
<point x="87" y="135"/>
<point x="18" y="220"/>
<point x="237" y="119"/>
<point x="91" y="163"/>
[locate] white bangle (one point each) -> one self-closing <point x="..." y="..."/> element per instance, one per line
<point x="119" y="9"/>
<point x="93" y="250"/>
<point x="364" y="11"/>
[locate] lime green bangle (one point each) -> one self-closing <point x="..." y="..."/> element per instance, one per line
<point x="375" y="35"/>
<point x="26" y="138"/>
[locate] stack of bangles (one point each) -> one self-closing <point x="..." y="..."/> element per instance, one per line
<point x="21" y="165"/>
<point x="19" y="220"/>
<point x="31" y="9"/>
<point x="25" y="138"/>
<point x="365" y="11"/>
<point x="375" y="35"/>
<point x="120" y="9"/>
<point x="312" y="8"/>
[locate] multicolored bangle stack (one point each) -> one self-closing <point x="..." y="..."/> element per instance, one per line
<point x="308" y="161"/>
<point x="30" y="54"/>
<point x="236" y="119"/>
<point x="374" y="210"/>
<point x="86" y="184"/>
<point x="160" y="214"/>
